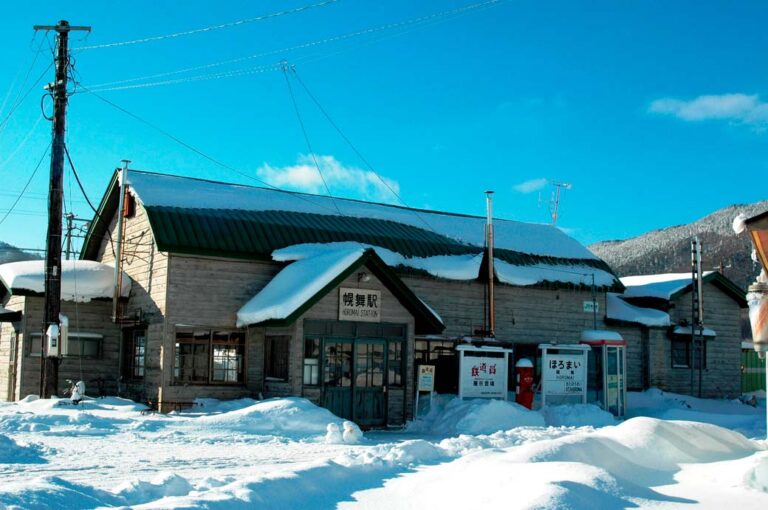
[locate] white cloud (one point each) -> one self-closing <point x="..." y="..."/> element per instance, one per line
<point x="346" y="181"/>
<point x="741" y="108"/>
<point x="531" y="185"/>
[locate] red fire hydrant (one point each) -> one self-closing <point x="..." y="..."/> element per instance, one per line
<point x="524" y="390"/>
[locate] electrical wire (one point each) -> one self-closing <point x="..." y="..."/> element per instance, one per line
<point x="26" y="186"/>
<point x="210" y="28"/>
<point x="356" y="151"/>
<point x="85" y="195"/>
<point x="21" y="144"/>
<point x="4" y="121"/>
<point x="202" y="154"/>
<point x="422" y="20"/>
<point x="306" y="137"/>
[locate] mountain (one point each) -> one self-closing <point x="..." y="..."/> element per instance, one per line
<point x="669" y="250"/>
<point x="9" y="253"/>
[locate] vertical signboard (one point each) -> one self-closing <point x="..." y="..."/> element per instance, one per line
<point x="564" y="372"/>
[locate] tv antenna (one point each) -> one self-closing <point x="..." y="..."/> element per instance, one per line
<point x="554" y="203"/>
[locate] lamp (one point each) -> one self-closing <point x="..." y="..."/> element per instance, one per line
<point x="363" y="277"/>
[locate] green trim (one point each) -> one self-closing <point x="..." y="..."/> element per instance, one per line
<point x="720" y="281"/>
<point x="98" y="228"/>
<point x="426" y="322"/>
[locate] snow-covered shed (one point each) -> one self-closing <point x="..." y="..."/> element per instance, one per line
<point x="87" y="291"/>
<point x="241" y="290"/>
<point x="654" y="315"/>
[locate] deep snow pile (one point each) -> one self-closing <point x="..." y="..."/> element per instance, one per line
<point x="730" y="414"/>
<point x="450" y="415"/>
<point x="275" y="454"/>
<point x="287" y="417"/>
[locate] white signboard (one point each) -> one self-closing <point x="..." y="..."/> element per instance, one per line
<point x="426" y="380"/>
<point x="362" y="305"/>
<point x="563" y="372"/>
<point x="484" y="377"/>
<point x="591" y="306"/>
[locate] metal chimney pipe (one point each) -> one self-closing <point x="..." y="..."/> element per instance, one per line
<point x="491" y="272"/>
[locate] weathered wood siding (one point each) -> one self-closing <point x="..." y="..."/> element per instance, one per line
<point x="392" y="312"/>
<point x="208" y="292"/>
<point x="523" y="314"/>
<point x="722" y="375"/>
<point x="9" y="355"/>
<point x="91" y="317"/>
<point x="148" y="268"/>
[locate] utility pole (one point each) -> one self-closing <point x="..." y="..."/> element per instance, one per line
<point x="697" y="313"/>
<point x="49" y="365"/>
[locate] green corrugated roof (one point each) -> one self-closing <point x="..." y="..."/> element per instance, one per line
<point x="256" y="234"/>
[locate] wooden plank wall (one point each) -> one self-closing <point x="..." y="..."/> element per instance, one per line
<point x="148" y="269"/>
<point x="91" y="317"/>
<point x="8" y="368"/>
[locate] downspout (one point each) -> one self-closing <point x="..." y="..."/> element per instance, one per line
<point x="491" y="272"/>
<point x="121" y="179"/>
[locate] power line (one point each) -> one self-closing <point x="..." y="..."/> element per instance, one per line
<point x="306" y="136"/>
<point x="201" y="153"/>
<point x="354" y="149"/>
<point x="318" y="42"/>
<point x="201" y="77"/>
<point x="210" y="28"/>
<point x="29" y="181"/>
<point x="85" y="195"/>
<point x="18" y="103"/>
<point x="21" y="144"/>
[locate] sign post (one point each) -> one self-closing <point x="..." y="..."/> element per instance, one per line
<point x="564" y="372"/>
<point x="425" y="383"/>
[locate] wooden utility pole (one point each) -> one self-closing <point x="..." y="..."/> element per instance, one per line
<point x="49" y="365"/>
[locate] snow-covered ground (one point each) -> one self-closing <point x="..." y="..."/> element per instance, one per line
<point x="288" y="453"/>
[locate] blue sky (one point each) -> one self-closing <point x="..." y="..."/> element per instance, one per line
<point x="651" y="110"/>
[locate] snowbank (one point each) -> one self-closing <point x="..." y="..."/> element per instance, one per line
<point x="577" y="415"/>
<point x="451" y="416"/>
<point x="292" y="417"/>
<point x="730" y="414"/>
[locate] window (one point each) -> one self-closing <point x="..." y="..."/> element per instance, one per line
<point x="276" y="357"/>
<point x="311" y="361"/>
<point x="134" y="353"/>
<point x="204" y="356"/>
<point x="395" y="363"/>
<point x="79" y="345"/>
<point x="228" y="355"/>
<point x="682" y="352"/>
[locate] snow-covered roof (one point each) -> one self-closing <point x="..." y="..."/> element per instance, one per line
<point x="686" y="330"/>
<point x="620" y="310"/>
<point x="154" y="190"/>
<point x="81" y="280"/>
<point x="662" y="286"/>
<point x="461" y="267"/>
<point x="599" y="335"/>
<point x="303" y="280"/>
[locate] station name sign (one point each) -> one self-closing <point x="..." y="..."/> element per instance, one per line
<point x="565" y="374"/>
<point x="362" y="305"/>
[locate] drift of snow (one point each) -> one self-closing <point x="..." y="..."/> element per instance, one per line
<point x="81" y="280"/>
<point x="618" y="309"/>
<point x="288" y="417"/>
<point x="275" y="454"/>
<point x="174" y="191"/>
<point x="451" y="416"/>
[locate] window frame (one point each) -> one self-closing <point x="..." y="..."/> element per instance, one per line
<point x="690" y="362"/>
<point x="271" y="375"/>
<point x="32" y="344"/>
<point x="204" y="336"/>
